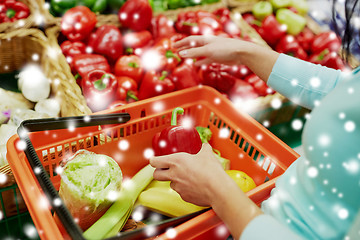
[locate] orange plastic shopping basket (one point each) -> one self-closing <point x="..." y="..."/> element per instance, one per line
<point x="246" y="143"/>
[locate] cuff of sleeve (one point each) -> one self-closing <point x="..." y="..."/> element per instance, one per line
<point x="266" y="227"/>
<point x="302" y="82"/>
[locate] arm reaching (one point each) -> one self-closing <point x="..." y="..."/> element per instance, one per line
<point x="229" y="51"/>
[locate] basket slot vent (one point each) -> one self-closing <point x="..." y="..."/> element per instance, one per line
<point x="219" y="123"/>
<point x="134" y="129"/>
<point x="261" y="160"/>
<point x="266" y="164"/>
<point x="237" y="138"/>
<point x="140" y="127"/>
<point x="256" y="155"/>
<point x="266" y="179"/>
<point x="121" y="132"/>
<point x="232" y="135"/>
<point x="251" y="151"/>
<point x="241" y="142"/>
<point x="128" y="131"/>
<point x="247" y="145"/>
<point x="271" y="168"/>
<point x="143" y="113"/>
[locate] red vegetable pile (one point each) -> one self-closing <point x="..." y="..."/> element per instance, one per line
<point x="319" y="49"/>
<point x="115" y="66"/>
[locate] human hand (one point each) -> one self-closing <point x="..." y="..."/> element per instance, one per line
<point x="212" y="49"/>
<point x="194" y="176"/>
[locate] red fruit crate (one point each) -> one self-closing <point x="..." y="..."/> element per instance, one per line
<point x="246" y="143"/>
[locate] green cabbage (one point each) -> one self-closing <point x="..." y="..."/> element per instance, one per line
<point x="90" y="183"/>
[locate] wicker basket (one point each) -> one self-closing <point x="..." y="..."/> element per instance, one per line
<point x="23" y="46"/>
<point x="39" y="17"/>
<point x="244" y="4"/>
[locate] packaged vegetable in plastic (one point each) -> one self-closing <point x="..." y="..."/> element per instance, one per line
<point x="90" y="183"/>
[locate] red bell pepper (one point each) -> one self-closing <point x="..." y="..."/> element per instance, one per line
<point x="252" y="21"/>
<point x="223" y="14"/>
<point x="99" y="89"/>
<point x="240" y="71"/>
<point x="271" y="30"/>
<point x="107" y="41"/>
<point x="71" y="49"/>
<point x="326" y="40"/>
<point x="137" y="39"/>
<point x="84" y="63"/>
<point x="77" y="23"/>
<point x="305" y="38"/>
<point x="12" y="10"/>
<point x="333" y="60"/>
<point x="241" y="91"/>
<point x="217" y="76"/>
<point x="289" y="45"/>
<point x="185" y="76"/>
<point x="129" y="66"/>
<point x="135" y="14"/>
<point x="317" y="58"/>
<point x="161" y="26"/>
<point x="154" y="84"/>
<point x="127" y="89"/>
<point x="176" y="138"/>
<point x="198" y="23"/>
<point x="259" y="85"/>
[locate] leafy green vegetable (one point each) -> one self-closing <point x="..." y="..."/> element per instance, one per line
<point x="205" y="134"/>
<point x="89" y="182"/>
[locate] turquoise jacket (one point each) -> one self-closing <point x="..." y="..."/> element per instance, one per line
<point x="318" y="197"/>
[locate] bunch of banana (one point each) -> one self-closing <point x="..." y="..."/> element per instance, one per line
<point x="160" y="197"/>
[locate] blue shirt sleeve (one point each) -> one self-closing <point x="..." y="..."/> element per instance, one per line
<point x="266" y="227"/>
<point x="302" y="82"/>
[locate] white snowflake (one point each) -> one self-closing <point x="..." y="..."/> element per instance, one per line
<point x="3" y="178"/>
<point x="224" y="133"/>
<point x="343" y="213"/>
<point x="312" y="172"/>
<point x="124" y="145"/>
<point x="171" y="233"/>
<point x="315" y="82"/>
<point x="276" y="103"/>
<point x="349" y="126"/>
<point x="297" y="124"/>
<point x="324" y="140"/>
<point x="148" y="153"/>
<point x="30" y="231"/>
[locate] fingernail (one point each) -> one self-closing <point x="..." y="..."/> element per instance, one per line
<point x="183" y="53"/>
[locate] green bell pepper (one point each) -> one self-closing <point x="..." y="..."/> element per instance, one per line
<point x="115" y="5"/>
<point x="59" y="7"/>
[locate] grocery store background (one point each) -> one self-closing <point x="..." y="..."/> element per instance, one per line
<point x="38" y="39"/>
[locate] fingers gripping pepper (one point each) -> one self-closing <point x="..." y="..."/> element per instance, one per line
<point x="99" y="89"/>
<point x="176" y="138"/>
